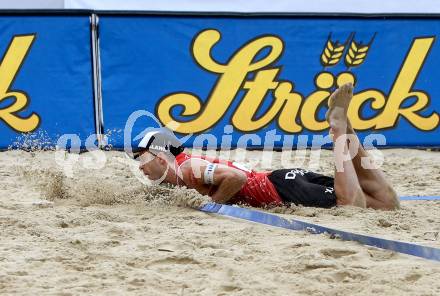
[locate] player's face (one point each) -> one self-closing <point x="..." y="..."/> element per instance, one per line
<point x="152" y="166"/>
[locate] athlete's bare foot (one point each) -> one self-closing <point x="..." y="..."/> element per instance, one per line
<point x="347" y="187"/>
<point x="338" y="107"/>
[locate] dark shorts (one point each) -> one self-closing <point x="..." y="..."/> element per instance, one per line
<point x="303" y="187"/>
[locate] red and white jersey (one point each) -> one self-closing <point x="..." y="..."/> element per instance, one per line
<point x="258" y="190"/>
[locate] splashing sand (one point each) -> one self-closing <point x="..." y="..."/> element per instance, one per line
<point x="105" y="232"/>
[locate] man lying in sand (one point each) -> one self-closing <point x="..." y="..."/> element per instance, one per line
<point x="162" y="159"/>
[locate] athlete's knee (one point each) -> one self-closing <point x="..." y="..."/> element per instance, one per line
<point x="391" y="200"/>
<point x="350" y="196"/>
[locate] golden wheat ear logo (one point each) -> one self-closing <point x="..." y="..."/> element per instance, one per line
<point x="357" y="52"/>
<point x="333" y="51"/>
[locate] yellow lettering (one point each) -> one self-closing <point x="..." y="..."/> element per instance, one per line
<point x="232" y="75"/>
<point x="359" y="100"/>
<point x="256" y="92"/>
<point x="354" y="110"/>
<point x="402" y="90"/>
<point x="286" y="103"/>
<point x="292" y="100"/>
<point x="12" y="61"/>
<point x="309" y="110"/>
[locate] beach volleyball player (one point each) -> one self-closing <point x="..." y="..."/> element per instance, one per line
<point x="162" y="159"/>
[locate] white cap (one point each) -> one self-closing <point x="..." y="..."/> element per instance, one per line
<point x="161" y="140"/>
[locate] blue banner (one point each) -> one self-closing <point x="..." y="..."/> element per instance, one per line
<point x="45" y="80"/>
<point x="265" y="81"/>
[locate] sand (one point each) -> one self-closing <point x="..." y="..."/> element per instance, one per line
<point x="102" y="232"/>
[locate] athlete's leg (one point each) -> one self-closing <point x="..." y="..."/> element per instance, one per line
<point x="371" y="179"/>
<point x="377" y="192"/>
<point x="347" y="187"/>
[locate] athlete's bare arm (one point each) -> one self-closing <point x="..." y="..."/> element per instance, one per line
<point x="226" y="181"/>
<point x="229" y="182"/>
